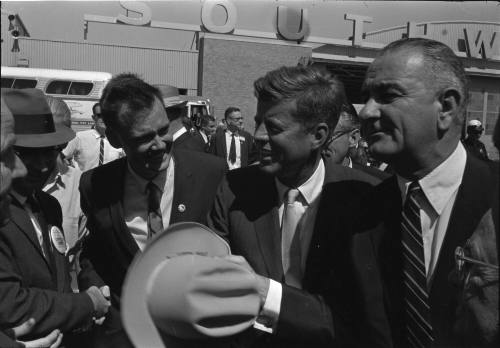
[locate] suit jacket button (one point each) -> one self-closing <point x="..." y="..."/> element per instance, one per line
<point x="181" y="208"/>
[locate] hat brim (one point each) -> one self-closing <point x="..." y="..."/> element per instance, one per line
<point x="177" y="239"/>
<point x="62" y="135"/>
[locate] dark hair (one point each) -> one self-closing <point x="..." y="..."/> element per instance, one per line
<point x="230" y="110"/>
<point x="94" y="107"/>
<point x="318" y="95"/>
<point x="205" y="120"/>
<point x="443" y="68"/>
<point x="124" y="98"/>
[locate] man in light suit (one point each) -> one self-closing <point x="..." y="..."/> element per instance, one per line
<point x="416" y="98"/>
<point x="319" y="286"/>
<point x="130" y="200"/>
<point x="233" y="144"/>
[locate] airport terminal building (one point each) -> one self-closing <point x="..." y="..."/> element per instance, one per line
<point x="224" y="59"/>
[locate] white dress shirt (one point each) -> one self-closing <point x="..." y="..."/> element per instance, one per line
<point x="63" y="184"/>
<point x="237" y="140"/>
<point x="135" y="201"/>
<point x="85" y="149"/>
<point x="177" y="134"/>
<point x="439" y="192"/>
<point x="310" y="194"/>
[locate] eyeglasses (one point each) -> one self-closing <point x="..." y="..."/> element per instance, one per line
<point x="463" y="272"/>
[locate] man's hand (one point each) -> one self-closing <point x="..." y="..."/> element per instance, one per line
<point x="263" y="282"/>
<point x="101" y="304"/>
<point x="52" y="340"/>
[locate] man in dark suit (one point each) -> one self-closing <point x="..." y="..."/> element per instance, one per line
<point x="34" y="270"/>
<point x="131" y="199"/>
<point x="233" y="144"/>
<point x="318" y="285"/>
<point x="416" y="99"/>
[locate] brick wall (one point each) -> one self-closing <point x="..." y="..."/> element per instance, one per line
<point x="228" y="68"/>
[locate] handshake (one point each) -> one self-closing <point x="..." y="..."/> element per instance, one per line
<point x="100" y="298"/>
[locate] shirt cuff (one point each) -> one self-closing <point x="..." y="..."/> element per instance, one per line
<point x="268" y="316"/>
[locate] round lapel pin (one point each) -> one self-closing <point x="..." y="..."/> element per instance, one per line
<point x="58" y="240"/>
<point x="181" y="208"/>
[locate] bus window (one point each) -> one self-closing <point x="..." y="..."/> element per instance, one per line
<point x="7" y="83"/>
<point x="24" y="83"/>
<point x="80" y="88"/>
<point x="58" y="87"/>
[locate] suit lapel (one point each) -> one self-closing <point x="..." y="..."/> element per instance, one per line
<point x="22" y="220"/>
<point x="114" y="195"/>
<point x="183" y="177"/>
<point x="244" y="150"/>
<point x="267" y="228"/>
<point x="222" y="144"/>
<point x="470" y="205"/>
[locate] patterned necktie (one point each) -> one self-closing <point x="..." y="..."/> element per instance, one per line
<point x="101" y="151"/>
<point x="418" y="328"/>
<point x="155" y="223"/>
<point x="232" y="150"/>
<point x="290" y="239"/>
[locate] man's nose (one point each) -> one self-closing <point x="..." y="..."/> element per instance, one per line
<point x="260" y="134"/>
<point x="369" y="110"/>
<point x="19" y="170"/>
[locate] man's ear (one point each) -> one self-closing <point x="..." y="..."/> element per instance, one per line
<point x="450" y="100"/>
<point x="113" y="138"/>
<point x="320" y="135"/>
<point x="354" y="137"/>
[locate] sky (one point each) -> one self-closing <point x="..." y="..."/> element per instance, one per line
<point x="63" y="20"/>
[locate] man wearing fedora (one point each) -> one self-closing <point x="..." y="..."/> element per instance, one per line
<point x="34" y="273"/>
<point x="130" y="200"/>
<point x="319" y="286"/>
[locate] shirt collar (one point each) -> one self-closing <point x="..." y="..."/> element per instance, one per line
<point x="440" y="184"/>
<point x="158" y="180"/>
<point x="311" y="189"/>
<point x="179" y="133"/>
<point x="97" y="134"/>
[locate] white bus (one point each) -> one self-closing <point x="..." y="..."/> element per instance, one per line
<point x="79" y="89"/>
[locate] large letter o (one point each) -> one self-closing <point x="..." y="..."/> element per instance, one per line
<point x="206" y="16"/>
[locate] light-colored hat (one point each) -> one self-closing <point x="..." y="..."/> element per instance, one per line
<point x="475" y="123"/>
<point x="181" y="287"/>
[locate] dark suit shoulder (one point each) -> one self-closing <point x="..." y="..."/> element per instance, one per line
<point x="336" y="172"/>
<point x="199" y="159"/>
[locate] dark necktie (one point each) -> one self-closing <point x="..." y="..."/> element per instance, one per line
<point x="101" y="151"/>
<point x="232" y="150"/>
<point x="418" y="328"/>
<point x="155" y="223"/>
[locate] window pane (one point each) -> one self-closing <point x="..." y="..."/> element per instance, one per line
<point x="58" y="87"/>
<point x="475" y="101"/>
<point x="493" y="102"/>
<point x="7" y="83"/>
<point x="491" y="119"/>
<point x="24" y="83"/>
<point x="80" y="88"/>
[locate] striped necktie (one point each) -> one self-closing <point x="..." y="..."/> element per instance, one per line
<point x="418" y="328"/>
<point x="101" y="151"/>
<point x="155" y="223"/>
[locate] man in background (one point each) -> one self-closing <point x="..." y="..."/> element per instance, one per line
<point x="91" y="148"/>
<point x="233" y="144"/>
<point x="472" y="142"/>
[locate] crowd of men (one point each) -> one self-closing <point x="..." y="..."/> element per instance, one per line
<point x="343" y="254"/>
